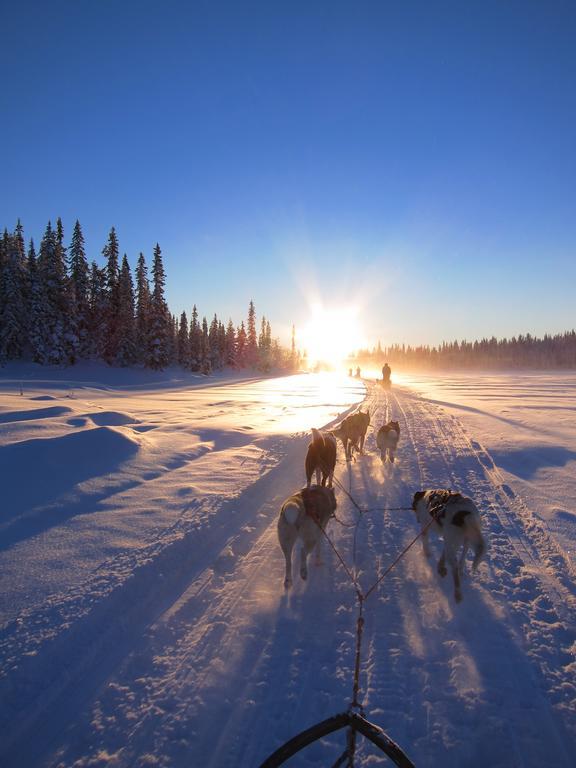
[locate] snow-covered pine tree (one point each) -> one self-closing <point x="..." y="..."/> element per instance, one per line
<point x="172" y="349"/>
<point x="143" y="309"/>
<point x="293" y="360"/>
<point x="195" y="341"/>
<point x="279" y="358"/>
<point x="110" y="253"/>
<point x="159" y="328"/>
<point x="230" y="355"/>
<point x="183" y="344"/>
<point x="213" y="345"/>
<point x="98" y="302"/>
<point x="13" y="291"/>
<point x="70" y="318"/>
<point x="36" y="309"/>
<point x="126" y="325"/>
<point x="52" y="276"/>
<point x="264" y="345"/>
<point x="252" y="339"/>
<point x="222" y="343"/>
<point x="79" y="272"/>
<point x="241" y="346"/>
<point x="205" y="363"/>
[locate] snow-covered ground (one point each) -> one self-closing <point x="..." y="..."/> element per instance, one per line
<point x="143" y="618"/>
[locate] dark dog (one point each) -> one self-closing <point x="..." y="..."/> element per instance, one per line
<point x="352" y="432"/>
<point x="321" y="458"/>
<point x="387" y="440"/>
<point x="457" y="520"/>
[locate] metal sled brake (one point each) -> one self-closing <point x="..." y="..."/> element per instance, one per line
<point x="356" y="723"/>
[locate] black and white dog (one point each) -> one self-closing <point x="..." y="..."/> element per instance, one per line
<point x="456" y="518"/>
<point x="321" y="458"/>
<point x="387" y="440"/>
<point x="304" y="516"/>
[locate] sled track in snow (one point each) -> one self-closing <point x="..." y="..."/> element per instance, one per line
<point x="214" y="663"/>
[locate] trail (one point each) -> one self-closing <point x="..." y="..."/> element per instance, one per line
<point x="206" y="661"/>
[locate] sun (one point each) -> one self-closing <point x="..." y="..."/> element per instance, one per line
<point x="331" y="335"/>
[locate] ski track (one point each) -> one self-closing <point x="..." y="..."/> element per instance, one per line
<point x="214" y="665"/>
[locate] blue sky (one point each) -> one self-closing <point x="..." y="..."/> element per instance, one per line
<point x="415" y="159"/>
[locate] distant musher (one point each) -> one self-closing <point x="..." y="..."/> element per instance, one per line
<point x="386" y="372"/>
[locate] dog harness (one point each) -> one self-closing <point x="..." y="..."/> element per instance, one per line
<point x="309" y="497"/>
<point x="438" y="501"/>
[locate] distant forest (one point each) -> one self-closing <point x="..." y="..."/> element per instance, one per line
<point x="558" y="351"/>
<point x="57" y="309"/>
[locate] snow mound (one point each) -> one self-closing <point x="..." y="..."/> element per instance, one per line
<point x="57" y="464"/>
<point x="30" y="415"/>
<point x="224" y="439"/>
<point x="111" y="418"/>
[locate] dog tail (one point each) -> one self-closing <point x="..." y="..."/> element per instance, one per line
<point x="291" y="510"/>
<point x="477" y="540"/>
<point x="317" y="438"/>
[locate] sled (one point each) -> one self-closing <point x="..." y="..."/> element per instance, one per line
<point x="355" y="723"/>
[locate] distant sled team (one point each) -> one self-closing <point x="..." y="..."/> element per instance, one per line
<point x="305" y="514"/>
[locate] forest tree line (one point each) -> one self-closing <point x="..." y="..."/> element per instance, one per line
<point x="56" y="308"/>
<point x="523" y="351"/>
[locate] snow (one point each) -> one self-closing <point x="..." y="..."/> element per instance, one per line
<point x="143" y="617"/>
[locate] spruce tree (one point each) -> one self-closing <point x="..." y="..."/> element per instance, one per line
<point x="195" y="342"/>
<point x="222" y="343"/>
<point x="293" y="361"/>
<point x="183" y="343"/>
<point x="241" y="343"/>
<point x="37" y="311"/>
<point x="52" y="275"/>
<point x="112" y="270"/>
<point x="205" y="365"/>
<point x="230" y="357"/>
<point x="69" y="309"/>
<point x="213" y="344"/>
<point x="126" y="325"/>
<point x="159" y="316"/>
<point x="13" y="291"/>
<point x="251" y="340"/>
<point x="79" y="272"/>
<point x="98" y="303"/>
<point x="143" y="309"/>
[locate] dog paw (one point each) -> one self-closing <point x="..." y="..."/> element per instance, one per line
<point x="442" y="571"/>
<point x="458" y="596"/>
<point x="303" y="574"/>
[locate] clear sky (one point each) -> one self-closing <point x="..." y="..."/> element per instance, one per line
<point x="411" y="161"/>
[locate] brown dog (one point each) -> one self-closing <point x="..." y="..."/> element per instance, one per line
<point x="352" y="432"/>
<point x="321" y="458"/>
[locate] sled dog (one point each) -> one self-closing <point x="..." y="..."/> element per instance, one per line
<point x="456" y="518"/>
<point x="321" y="458"/>
<point x="387" y="440"/>
<point x="302" y="516"/>
<point x="352" y="432"/>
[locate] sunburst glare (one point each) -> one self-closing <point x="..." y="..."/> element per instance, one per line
<point x="331" y="334"/>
